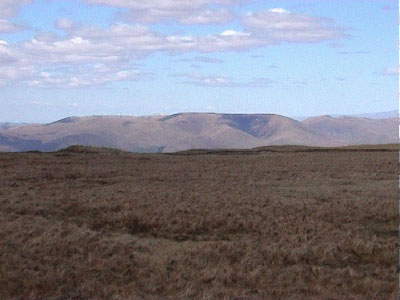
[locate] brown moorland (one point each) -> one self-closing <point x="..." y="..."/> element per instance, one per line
<point x="269" y="223"/>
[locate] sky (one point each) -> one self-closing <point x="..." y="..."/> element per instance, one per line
<point x="61" y="58"/>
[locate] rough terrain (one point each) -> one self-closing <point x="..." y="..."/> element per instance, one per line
<point x="271" y="223"/>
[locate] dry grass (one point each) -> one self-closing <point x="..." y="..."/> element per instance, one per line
<point x="276" y="223"/>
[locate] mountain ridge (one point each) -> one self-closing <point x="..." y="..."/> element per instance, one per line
<point x="184" y="131"/>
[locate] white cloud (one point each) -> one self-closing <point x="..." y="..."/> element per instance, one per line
<point x="59" y="69"/>
<point x="185" y="12"/>
<point x="13" y="67"/>
<point x="124" y="42"/>
<point x="214" y="81"/>
<point x="7" y="27"/>
<point x="207" y="16"/>
<point x="162" y="4"/>
<point x="228" y="40"/>
<point x="87" y="78"/>
<point x="77" y="57"/>
<point x="208" y="81"/>
<point x="71" y="50"/>
<point x="277" y="26"/>
<point x="278" y="10"/>
<point x="9" y="8"/>
<point x="64" y="24"/>
<point x="234" y="33"/>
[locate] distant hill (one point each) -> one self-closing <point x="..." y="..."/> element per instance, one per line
<point x="351" y="130"/>
<point x="6" y="125"/>
<point x="379" y="115"/>
<point x="185" y="131"/>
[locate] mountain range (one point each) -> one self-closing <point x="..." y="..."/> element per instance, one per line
<point x="377" y="115"/>
<point x="185" y="131"/>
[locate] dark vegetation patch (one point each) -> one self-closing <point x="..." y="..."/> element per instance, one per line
<point x="27" y="145"/>
<point x="250" y="124"/>
<point x="170" y="117"/>
<point x="67" y="120"/>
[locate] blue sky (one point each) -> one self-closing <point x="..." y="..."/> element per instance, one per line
<point x="60" y="58"/>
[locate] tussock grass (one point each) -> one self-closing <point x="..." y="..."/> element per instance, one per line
<point x="286" y="223"/>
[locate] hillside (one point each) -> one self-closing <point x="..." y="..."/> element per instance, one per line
<point x="356" y="130"/>
<point x="197" y="130"/>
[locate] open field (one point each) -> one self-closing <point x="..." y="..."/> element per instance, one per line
<point x="272" y="223"/>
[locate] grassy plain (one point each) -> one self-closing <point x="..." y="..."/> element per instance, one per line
<point x="271" y="223"/>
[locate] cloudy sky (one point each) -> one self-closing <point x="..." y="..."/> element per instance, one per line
<point x="61" y="58"/>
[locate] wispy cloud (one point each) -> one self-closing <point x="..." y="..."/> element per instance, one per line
<point x="185" y="12"/>
<point x="8" y="9"/>
<point x="8" y="27"/>
<point x="99" y="75"/>
<point x="278" y="25"/>
<point x="222" y="81"/>
<point x="203" y="80"/>
<point x="201" y="59"/>
<point x="336" y="45"/>
<point x="389" y="8"/>
<point x="351" y="52"/>
<point x="260" y="82"/>
<point x="220" y="16"/>
<point x="65" y="24"/>
<point x="47" y="104"/>
<point x="390" y="72"/>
